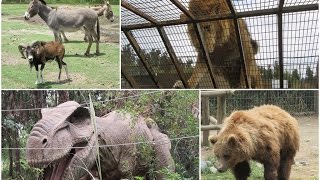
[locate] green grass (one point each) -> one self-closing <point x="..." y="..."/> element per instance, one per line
<point x="86" y="72"/>
<point x="256" y="173"/>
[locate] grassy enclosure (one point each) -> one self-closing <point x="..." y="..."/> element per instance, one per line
<point x="86" y="72"/>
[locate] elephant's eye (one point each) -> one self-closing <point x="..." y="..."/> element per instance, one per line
<point x="226" y="156"/>
<point x="206" y="28"/>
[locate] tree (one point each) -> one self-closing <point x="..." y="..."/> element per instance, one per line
<point x="309" y="74"/>
<point x="295" y="75"/>
<point x="276" y="72"/>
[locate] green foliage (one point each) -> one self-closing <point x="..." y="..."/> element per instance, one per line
<point x="295" y="79"/>
<point x="309" y="74"/>
<point x="160" y="61"/>
<point x="172" y="112"/>
<point x="256" y="172"/>
<point x="27" y="172"/>
<point x="170" y="109"/>
<point x="138" y="178"/>
<point x="171" y="175"/>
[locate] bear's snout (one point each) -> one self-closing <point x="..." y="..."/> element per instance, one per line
<point x="220" y="168"/>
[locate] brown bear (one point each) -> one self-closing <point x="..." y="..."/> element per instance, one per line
<point x="266" y="134"/>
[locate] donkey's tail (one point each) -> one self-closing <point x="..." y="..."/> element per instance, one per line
<point x="98" y="29"/>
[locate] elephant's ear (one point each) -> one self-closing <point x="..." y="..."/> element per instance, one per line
<point x="79" y="115"/>
<point x="213" y="139"/>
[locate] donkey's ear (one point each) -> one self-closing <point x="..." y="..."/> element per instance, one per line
<point x="79" y="115"/>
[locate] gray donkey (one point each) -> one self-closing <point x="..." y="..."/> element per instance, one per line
<point x="69" y="20"/>
<point x="105" y="10"/>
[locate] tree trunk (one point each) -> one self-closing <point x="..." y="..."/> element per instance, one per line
<point x="10" y="161"/>
<point x="63" y="96"/>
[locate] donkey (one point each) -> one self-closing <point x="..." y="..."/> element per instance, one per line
<point x="67" y="20"/>
<point x="105" y="10"/>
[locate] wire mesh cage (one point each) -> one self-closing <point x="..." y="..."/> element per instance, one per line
<point x="219" y="44"/>
<point x="297" y="103"/>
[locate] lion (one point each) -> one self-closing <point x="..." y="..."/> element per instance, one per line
<point x="221" y="42"/>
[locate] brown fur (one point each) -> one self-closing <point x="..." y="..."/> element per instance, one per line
<point x="221" y="41"/>
<point x="266" y="134"/>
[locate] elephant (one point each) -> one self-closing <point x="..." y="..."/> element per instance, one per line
<point x="66" y="145"/>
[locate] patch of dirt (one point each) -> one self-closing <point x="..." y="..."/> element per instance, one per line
<point x="34" y="20"/>
<point x="109" y="31"/>
<point x="52" y="77"/>
<point x="308" y="152"/>
<point x="7" y="59"/>
<point x="309" y="148"/>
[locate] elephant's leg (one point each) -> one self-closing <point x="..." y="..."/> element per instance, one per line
<point x="163" y="158"/>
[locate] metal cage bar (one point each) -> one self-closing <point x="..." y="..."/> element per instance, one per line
<point x="138" y="12"/>
<point x="290" y="9"/>
<point x="279" y="11"/>
<point x="141" y="56"/>
<point x="205" y="52"/>
<point x="280" y="42"/>
<point x="172" y="55"/>
<point x="128" y="78"/>
<point x="183" y="9"/>
<point x="240" y="45"/>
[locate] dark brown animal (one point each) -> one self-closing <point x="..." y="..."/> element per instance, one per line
<point x="39" y="52"/>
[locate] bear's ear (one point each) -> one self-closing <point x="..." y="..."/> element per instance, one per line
<point x="213" y="139"/>
<point x="232" y="140"/>
<point x="237" y="115"/>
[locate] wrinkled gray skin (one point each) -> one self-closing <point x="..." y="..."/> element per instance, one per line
<point x="69" y="20"/>
<point x="69" y="125"/>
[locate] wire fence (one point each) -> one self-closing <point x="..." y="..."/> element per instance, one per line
<point x="83" y="104"/>
<point x="165" y="42"/>
<point x="297" y="103"/>
<point x="184" y="144"/>
<point x="156" y="142"/>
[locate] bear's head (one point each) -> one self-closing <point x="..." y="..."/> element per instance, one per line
<point x="229" y="149"/>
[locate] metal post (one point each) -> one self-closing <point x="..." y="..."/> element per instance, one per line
<point x="280" y="42"/>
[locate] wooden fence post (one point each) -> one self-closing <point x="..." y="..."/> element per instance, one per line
<point x="205" y="119"/>
<point x="221" y="108"/>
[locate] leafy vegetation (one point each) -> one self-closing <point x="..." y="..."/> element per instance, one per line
<point x="256" y="173"/>
<point x="162" y="66"/>
<point x="172" y="111"/>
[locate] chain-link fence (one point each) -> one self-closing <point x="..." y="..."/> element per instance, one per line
<point x="297" y="103"/>
<point x="219" y="44"/>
